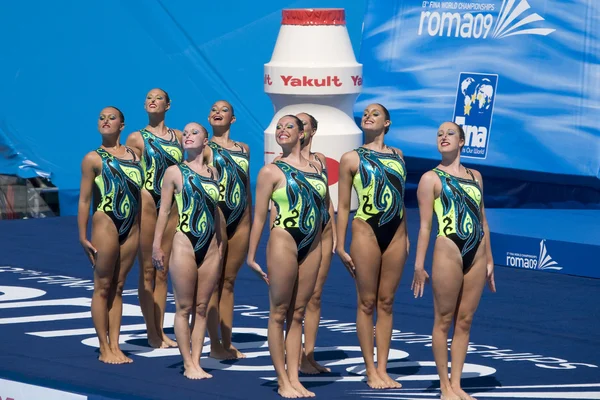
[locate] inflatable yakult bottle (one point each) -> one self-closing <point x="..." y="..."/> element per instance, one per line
<point x="313" y="70"/>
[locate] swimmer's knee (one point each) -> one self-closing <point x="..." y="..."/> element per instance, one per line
<point x="184" y="309"/>
<point x="102" y="289"/>
<point x="278" y="313"/>
<point x="119" y="288"/>
<point x="298" y="315"/>
<point x="443" y="321"/>
<point x="315" y="300"/>
<point x="464" y="322"/>
<point x="201" y="310"/>
<point x="228" y="283"/>
<point x="367" y="305"/>
<point x="385" y="305"/>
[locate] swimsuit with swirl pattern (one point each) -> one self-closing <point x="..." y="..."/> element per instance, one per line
<point x="459" y="214"/>
<point x="196" y="203"/>
<point x="299" y="205"/>
<point x="325" y="211"/>
<point x="379" y="184"/>
<point x="232" y="167"/>
<point x="117" y="190"/>
<point x="159" y="154"/>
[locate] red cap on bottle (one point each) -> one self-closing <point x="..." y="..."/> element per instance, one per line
<point x="314" y="16"/>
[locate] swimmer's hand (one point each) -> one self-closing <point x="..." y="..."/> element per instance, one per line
<point x="407" y="245"/>
<point x="420" y="278"/>
<point x="348" y="263"/>
<point x="256" y="268"/>
<point x="490" y="277"/>
<point x="90" y="251"/>
<point x="158" y="258"/>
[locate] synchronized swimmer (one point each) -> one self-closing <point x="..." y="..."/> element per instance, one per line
<point x="190" y="219"/>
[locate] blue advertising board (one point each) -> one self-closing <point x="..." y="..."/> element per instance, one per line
<point x="521" y="77"/>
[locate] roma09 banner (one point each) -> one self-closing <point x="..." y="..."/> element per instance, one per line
<point x="522" y="77"/>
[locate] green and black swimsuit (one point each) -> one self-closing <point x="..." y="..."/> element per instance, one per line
<point x="196" y="203"/>
<point x="232" y="166"/>
<point x="159" y="154"/>
<point x="117" y="190"/>
<point x="459" y="214"/>
<point x="299" y="205"/>
<point x="379" y="184"/>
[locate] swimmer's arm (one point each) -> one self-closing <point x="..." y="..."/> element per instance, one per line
<point x="136" y="143"/>
<point x="401" y="155"/>
<point x="332" y="218"/>
<point x="85" y="193"/>
<point x="272" y="205"/>
<point x="488" y="243"/>
<point x="85" y="198"/>
<point x="265" y="183"/>
<point x="405" y="222"/>
<point x="247" y="148"/>
<point x="166" y="200"/>
<point x="331" y="210"/>
<point x="486" y="228"/>
<point x="426" y="197"/>
<point x="217" y="216"/>
<point x="218" y="235"/>
<point x="344" y="196"/>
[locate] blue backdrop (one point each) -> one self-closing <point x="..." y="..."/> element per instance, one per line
<point x="521" y="77"/>
<point x="63" y="64"/>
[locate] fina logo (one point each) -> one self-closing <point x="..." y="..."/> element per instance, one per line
<point x="528" y="261"/>
<point x="479" y="25"/>
<point x="473" y="111"/>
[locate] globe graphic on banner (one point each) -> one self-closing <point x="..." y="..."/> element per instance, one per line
<point x="478" y="96"/>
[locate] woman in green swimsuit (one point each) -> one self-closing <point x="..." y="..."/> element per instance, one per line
<point x="462" y="256"/>
<point x="308" y="364"/>
<point x="379" y="244"/>
<point x="298" y="190"/>
<point x="195" y="258"/>
<point x="232" y="162"/>
<point x="113" y="177"/>
<point x="159" y="147"/>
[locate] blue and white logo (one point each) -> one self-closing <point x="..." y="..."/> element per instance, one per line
<point x="508" y="23"/>
<point x="473" y="111"/>
<point x="480" y="21"/>
<point x="543" y="261"/>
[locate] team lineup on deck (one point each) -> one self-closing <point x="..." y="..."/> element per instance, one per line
<point x="402" y="208"/>
<point x="200" y="200"/>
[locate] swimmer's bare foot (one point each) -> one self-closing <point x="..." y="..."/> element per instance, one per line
<point x="194" y="372"/>
<point x="156" y="342"/>
<point x="318" y="366"/>
<point x="168" y="341"/>
<point x="448" y="394"/>
<point x="391" y="384"/>
<point x="374" y="381"/>
<point x="287" y="391"/>
<point x="461" y="393"/>
<point x="235" y="352"/>
<point x="302" y="391"/>
<point x="306" y="366"/>
<point x="218" y="352"/>
<point x="120" y="355"/>
<point x="108" y="357"/>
